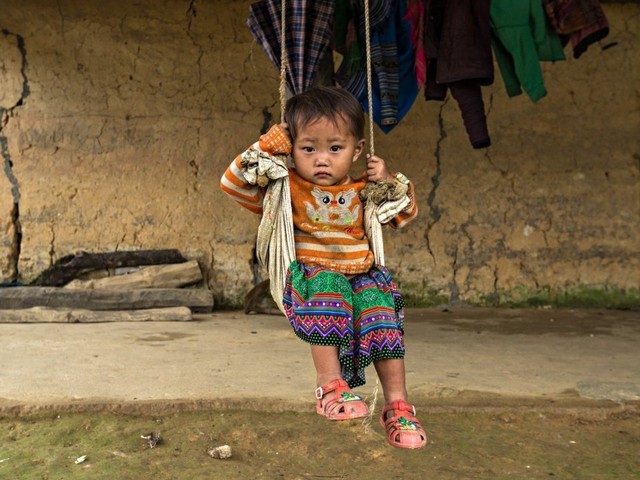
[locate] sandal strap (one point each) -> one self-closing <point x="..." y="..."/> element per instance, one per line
<point x="399" y="406"/>
<point x="343" y="405"/>
<point x="337" y="384"/>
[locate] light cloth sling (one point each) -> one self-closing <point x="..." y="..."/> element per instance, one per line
<point x="275" y="245"/>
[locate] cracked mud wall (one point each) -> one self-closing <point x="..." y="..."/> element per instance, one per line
<point x="12" y="94"/>
<point x="117" y="120"/>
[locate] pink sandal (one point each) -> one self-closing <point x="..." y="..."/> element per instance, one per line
<point x="403" y="428"/>
<point x="344" y="406"/>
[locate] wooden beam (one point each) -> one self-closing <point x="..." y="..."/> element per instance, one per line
<point x="197" y="299"/>
<point x="159" y="276"/>
<point x="71" y="266"/>
<point x="67" y="315"/>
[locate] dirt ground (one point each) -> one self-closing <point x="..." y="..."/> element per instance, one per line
<point x="508" y="394"/>
<point x="507" y="441"/>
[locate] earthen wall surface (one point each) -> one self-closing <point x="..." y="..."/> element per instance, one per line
<point x="118" y="118"/>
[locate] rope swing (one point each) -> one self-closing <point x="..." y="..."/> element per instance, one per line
<point x="283" y="60"/>
<point x="367" y="35"/>
<point x="373" y="226"/>
<point x="275" y="243"/>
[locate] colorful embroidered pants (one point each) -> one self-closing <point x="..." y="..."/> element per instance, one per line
<point x="363" y="316"/>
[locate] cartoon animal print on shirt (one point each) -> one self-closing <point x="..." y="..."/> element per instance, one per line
<point x="333" y="211"/>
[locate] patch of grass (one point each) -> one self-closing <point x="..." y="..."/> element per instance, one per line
<point x="579" y="296"/>
<point x="419" y="296"/>
<point x="289" y="445"/>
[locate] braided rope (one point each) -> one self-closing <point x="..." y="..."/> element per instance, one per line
<point x="283" y="59"/>
<point x="367" y="33"/>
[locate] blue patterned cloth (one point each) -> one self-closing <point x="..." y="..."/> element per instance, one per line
<point x="394" y="86"/>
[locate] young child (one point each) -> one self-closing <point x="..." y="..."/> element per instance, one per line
<point x="336" y="298"/>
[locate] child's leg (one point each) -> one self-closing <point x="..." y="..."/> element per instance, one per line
<point x="318" y="305"/>
<point x="398" y="416"/>
<point x="325" y="359"/>
<point x="334" y="398"/>
<point x="392" y="377"/>
<point x="319" y="308"/>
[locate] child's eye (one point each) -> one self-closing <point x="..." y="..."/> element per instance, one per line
<point x="335" y="148"/>
<point x="307" y="149"/>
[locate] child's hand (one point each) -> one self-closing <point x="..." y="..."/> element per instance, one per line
<point x="377" y="169"/>
<point x="285" y="129"/>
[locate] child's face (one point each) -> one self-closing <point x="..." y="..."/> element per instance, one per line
<point x="323" y="152"/>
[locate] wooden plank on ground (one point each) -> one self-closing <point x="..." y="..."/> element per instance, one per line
<point x="197" y="299"/>
<point x="69" y="315"/>
<point x="159" y="276"/>
<point x="71" y="266"/>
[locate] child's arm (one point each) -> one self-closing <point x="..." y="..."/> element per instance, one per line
<point x="233" y="183"/>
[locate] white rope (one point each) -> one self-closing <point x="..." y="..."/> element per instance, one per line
<point x="367" y="33"/>
<point x="372" y="225"/>
<point x="283" y="60"/>
<point x="366" y="421"/>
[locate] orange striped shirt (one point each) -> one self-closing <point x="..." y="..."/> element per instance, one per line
<point x="328" y="220"/>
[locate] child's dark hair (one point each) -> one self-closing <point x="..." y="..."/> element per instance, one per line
<point x="333" y="103"/>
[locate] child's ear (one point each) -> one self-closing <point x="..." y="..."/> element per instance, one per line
<point x="359" y="149"/>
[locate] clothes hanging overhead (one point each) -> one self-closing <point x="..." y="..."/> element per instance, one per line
<point x="522" y="37"/>
<point x="440" y="45"/>
<point x="309" y="27"/>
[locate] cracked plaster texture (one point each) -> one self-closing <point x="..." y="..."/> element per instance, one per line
<point x="134" y="110"/>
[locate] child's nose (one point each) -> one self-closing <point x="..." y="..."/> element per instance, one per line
<point x="322" y="158"/>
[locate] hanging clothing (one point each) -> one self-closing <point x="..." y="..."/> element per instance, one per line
<point x="416" y="18"/>
<point x="308" y="35"/>
<point x="522" y="36"/>
<point x="583" y="22"/>
<point x="457" y="46"/>
<point x="394" y="88"/>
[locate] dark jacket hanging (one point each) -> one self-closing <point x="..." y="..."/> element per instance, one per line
<point x="458" y="52"/>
